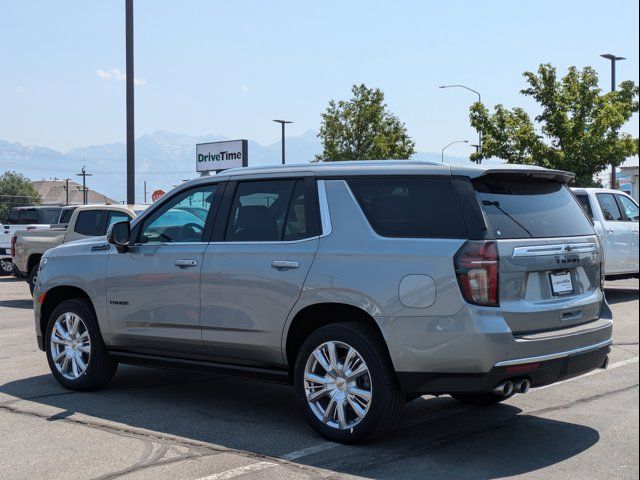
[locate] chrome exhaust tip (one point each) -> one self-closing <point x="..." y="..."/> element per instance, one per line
<point x="504" y="389"/>
<point x="522" y="386"/>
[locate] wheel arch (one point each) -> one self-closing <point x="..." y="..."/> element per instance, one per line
<point x="311" y="317"/>
<point x="57" y="295"/>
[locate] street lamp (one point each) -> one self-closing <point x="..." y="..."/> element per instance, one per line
<point x="282" y="123"/>
<point x="452" y="143"/>
<point x="613" y="59"/>
<point x="479" y="145"/>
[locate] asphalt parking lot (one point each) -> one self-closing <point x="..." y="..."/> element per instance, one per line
<point x="152" y="423"/>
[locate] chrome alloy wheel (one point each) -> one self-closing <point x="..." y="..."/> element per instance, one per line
<point x="6" y="267"/>
<point x="70" y="345"/>
<point x="337" y="384"/>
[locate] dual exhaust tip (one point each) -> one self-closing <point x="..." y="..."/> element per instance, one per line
<point x="504" y="389"/>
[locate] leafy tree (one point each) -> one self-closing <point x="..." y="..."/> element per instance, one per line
<point x="578" y="128"/>
<point x="16" y="190"/>
<point x="362" y="129"/>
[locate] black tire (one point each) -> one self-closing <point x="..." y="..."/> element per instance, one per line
<point x="101" y="367"/>
<point x="6" y="267"/>
<point x="386" y="396"/>
<point x="33" y="276"/>
<point x="481" y="399"/>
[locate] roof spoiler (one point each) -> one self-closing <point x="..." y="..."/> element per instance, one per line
<point x="544" y="173"/>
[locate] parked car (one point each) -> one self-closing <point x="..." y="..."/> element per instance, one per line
<point x="362" y="283"/>
<point x="75" y="223"/>
<point x="23" y="218"/>
<point x="615" y="216"/>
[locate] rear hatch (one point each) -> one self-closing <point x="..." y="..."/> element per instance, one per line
<point x="549" y="255"/>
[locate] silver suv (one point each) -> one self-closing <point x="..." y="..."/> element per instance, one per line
<point x="362" y="283"/>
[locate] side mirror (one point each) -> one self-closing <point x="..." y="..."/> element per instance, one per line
<point x="119" y="234"/>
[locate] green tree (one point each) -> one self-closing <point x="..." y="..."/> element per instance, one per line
<point x="362" y="129"/>
<point x="578" y="128"/>
<point x="16" y="190"/>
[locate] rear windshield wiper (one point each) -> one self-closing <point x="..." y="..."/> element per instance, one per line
<point x="496" y="204"/>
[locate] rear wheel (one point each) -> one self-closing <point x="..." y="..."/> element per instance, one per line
<point x="346" y="384"/>
<point x="75" y="351"/>
<point x="480" y="398"/>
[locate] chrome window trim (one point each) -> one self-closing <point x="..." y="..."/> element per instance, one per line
<point x="556" y="249"/>
<point x="323" y="205"/>
<point x="554" y="356"/>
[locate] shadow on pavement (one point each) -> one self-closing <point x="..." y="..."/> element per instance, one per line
<point x="26" y="304"/>
<point x="451" y="440"/>
<point x="621" y="295"/>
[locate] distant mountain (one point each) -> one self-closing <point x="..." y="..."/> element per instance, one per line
<point x="163" y="159"/>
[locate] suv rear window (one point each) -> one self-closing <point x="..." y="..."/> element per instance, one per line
<point x="518" y="207"/>
<point x="410" y="207"/>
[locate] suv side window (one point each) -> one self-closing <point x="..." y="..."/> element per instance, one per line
<point x="630" y="208"/>
<point x="176" y="221"/>
<point x="586" y="204"/>
<point x="609" y="207"/>
<point x="410" y="207"/>
<point x="269" y="211"/>
<point x="89" y="222"/>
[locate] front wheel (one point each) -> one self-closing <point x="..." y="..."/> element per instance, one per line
<point x="75" y="351"/>
<point x="346" y="384"/>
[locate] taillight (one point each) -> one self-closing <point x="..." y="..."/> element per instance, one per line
<point x="477" y="265"/>
<point x="13" y="246"/>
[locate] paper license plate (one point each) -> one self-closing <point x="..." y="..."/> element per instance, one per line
<point x="561" y="283"/>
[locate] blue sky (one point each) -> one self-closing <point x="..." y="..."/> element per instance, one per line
<point x="228" y="68"/>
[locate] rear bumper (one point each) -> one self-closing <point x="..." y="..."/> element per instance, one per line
<point x="547" y="372"/>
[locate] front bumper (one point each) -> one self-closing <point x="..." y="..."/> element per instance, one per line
<point x="545" y="373"/>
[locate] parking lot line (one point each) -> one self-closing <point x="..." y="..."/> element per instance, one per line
<point x="621" y="363"/>
<point x="321" y="447"/>
<point x="236" y="472"/>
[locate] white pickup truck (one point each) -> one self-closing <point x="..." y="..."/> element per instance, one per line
<point x="85" y="221"/>
<point x="24" y="218"/>
<point x="615" y="216"/>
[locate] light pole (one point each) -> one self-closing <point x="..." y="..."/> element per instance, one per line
<point x="131" y="169"/>
<point x="479" y="145"/>
<point x="613" y="59"/>
<point x="283" y="123"/>
<point x="452" y="143"/>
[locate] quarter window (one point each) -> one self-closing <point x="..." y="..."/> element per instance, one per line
<point x="410" y="207"/>
<point x="609" y="207"/>
<point x="586" y="204"/>
<point x="181" y="218"/>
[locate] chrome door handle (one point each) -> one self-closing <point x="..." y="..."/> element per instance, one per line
<point x="284" y="264"/>
<point x="609" y="230"/>
<point x="185" y="263"/>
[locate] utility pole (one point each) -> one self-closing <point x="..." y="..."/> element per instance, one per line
<point x="145" y="192"/>
<point x="613" y="59"/>
<point x="84" y="176"/>
<point x="66" y="191"/>
<point x="283" y="123"/>
<point x="131" y="184"/>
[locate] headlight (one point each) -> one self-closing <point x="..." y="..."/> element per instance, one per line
<point x="43" y="262"/>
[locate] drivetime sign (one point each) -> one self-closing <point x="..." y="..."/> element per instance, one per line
<point x="216" y="156"/>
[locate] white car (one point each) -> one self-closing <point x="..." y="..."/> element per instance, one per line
<point x="615" y="215"/>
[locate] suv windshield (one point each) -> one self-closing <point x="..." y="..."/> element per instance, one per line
<point x="518" y="207"/>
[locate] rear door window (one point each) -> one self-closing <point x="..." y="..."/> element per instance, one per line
<point x="518" y="207"/>
<point x="609" y="207"/>
<point x="410" y="207"/>
<point x="89" y="222"/>
<point x="28" y="216"/>
<point x="586" y="204"/>
<point x="116" y="217"/>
